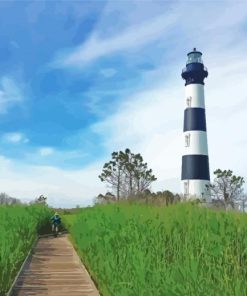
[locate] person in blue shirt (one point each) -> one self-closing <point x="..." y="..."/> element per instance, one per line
<point x="56" y="221"/>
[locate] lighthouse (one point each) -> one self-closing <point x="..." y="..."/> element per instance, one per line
<point x="195" y="162"/>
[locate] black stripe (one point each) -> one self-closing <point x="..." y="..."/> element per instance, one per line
<point x="194" y="73"/>
<point x="195" y="167"/>
<point x="194" y="119"/>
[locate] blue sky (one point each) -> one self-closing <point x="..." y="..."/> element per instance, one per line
<point x="80" y="79"/>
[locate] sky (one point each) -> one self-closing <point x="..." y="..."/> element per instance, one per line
<point x="81" y="79"/>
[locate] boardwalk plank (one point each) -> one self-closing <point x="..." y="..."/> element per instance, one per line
<point x="54" y="269"/>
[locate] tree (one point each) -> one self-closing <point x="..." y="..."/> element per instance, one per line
<point x="169" y="197"/>
<point x="127" y="174"/>
<point x="113" y="172"/>
<point x="137" y="176"/>
<point x="242" y="199"/>
<point x="166" y="197"/>
<point x="102" y="199"/>
<point x="143" y="177"/>
<point x="8" y="200"/>
<point x="40" y="200"/>
<point x="226" y="187"/>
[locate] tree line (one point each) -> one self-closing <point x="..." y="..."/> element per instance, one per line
<point x="6" y="199"/>
<point x="128" y="177"/>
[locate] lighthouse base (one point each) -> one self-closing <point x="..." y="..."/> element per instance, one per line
<point x="195" y="189"/>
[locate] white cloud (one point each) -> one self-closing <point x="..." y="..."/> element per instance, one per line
<point x="233" y="15"/>
<point x="64" y="188"/>
<point x="10" y="94"/>
<point x="15" y="138"/>
<point x="152" y="23"/>
<point x="55" y="156"/>
<point x="131" y="38"/>
<point x="46" y="151"/>
<point x="142" y="115"/>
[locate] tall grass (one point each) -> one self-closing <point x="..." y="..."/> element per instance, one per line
<point x="177" y="250"/>
<point x="19" y="226"/>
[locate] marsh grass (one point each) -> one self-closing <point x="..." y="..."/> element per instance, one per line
<point x="19" y="226"/>
<point x="148" y="250"/>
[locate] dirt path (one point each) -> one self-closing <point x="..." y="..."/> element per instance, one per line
<point x="54" y="269"/>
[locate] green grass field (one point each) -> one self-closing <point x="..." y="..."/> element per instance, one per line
<point x="143" y="250"/>
<point x="18" y="229"/>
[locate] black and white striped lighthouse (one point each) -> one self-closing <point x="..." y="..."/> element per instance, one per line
<point x="195" y="163"/>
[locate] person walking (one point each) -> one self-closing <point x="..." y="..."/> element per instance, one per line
<point x="56" y="221"/>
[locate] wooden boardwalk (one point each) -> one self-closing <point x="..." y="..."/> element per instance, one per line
<point x="54" y="269"/>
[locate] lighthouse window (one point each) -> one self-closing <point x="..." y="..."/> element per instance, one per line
<point x="186" y="188"/>
<point x="188" y="101"/>
<point x="187" y="140"/>
<point x="194" y="57"/>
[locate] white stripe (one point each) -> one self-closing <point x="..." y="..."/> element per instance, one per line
<point x="197" y="141"/>
<point x="196" y="189"/>
<point x="194" y="93"/>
